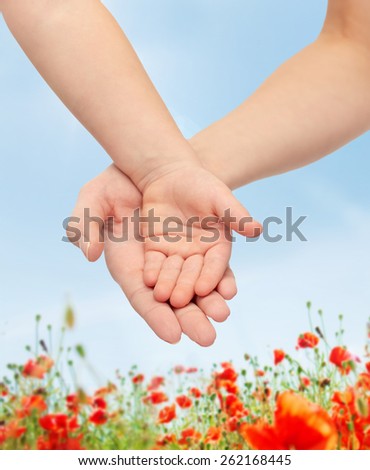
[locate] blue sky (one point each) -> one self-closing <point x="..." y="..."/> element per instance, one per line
<point x="205" y="57"/>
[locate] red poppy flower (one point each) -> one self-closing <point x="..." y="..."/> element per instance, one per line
<point x="237" y="446"/>
<point x="179" y="369"/>
<point x="11" y="431"/>
<point x="195" y="392"/>
<point x="279" y="356"/>
<point x="167" y="414"/>
<point x="110" y="388"/>
<point x="343" y="359"/>
<point x="37" y="368"/>
<point x="15" y="431"/>
<point x="191" y="370"/>
<point x="59" y="428"/>
<point x="363" y="382"/>
<point x="138" y="379"/>
<point x="189" y="436"/>
<point x="31" y="403"/>
<point x="230" y="387"/>
<point x="2" y="434"/>
<point x="351" y="415"/>
<point x="3" y="390"/>
<point x="367" y="365"/>
<point x="166" y="439"/>
<point x="233" y="406"/>
<point x="75" y="400"/>
<point x="259" y="373"/>
<point x="34" y="370"/>
<point x="308" y="340"/>
<point x="54" y="422"/>
<point x="155" y="398"/>
<point x="45" y="362"/>
<point x="299" y="424"/>
<point x="58" y="423"/>
<point x="213" y="435"/>
<point x="232" y="424"/>
<point x="228" y="374"/>
<point x="53" y="442"/>
<point x="183" y="401"/>
<point x="72" y="402"/>
<point x="99" y="417"/>
<point x="99" y="402"/>
<point x="226" y="365"/>
<point x="305" y="381"/>
<point x="155" y="383"/>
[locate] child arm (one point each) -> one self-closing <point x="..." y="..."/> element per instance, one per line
<point x="85" y="57"/>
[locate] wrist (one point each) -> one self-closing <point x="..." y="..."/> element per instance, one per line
<point x="215" y="160"/>
<point x="154" y="167"/>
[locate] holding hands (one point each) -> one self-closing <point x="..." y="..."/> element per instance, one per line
<point x="101" y="80"/>
<point x="113" y="199"/>
<point x="188" y="248"/>
<point x="174" y="267"/>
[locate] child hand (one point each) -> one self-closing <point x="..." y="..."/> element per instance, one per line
<point x="187" y="232"/>
<point x="125" y="262"/>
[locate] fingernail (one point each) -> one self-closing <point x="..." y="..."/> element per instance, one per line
<point x="85" y="245"/>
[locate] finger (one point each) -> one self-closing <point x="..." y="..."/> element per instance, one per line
<point x="158" y="315"/>
<point x="214" y="306"/>
<point x="196" y="325"/>
<point x="214" y="266"/>
<point x="85" y="227"/>
<point x="153" y="263"/>
<point x="184" y="289"/>
<point x="167" y="278"/>
<point x="236" y="217"/>
<point x="227" y="286"/>
<point x="125" y="262"/>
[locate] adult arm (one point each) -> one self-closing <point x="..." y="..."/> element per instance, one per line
<point x="313" y="104"/>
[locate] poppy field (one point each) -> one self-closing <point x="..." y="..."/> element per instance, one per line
<point x="312" y="395"/>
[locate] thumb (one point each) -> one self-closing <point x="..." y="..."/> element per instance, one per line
<point x="85" y="228"/>
<point x="235" y="216"/>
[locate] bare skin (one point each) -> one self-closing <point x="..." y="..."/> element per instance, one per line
<point x="101" y="80"/>
<point x="315" y="103"/>
<point x="323" y="99"/>
<point x="113" y="195"/>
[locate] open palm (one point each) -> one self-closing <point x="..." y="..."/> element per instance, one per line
<point x="190" y="215"/>
<point x="113" y="198"/>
